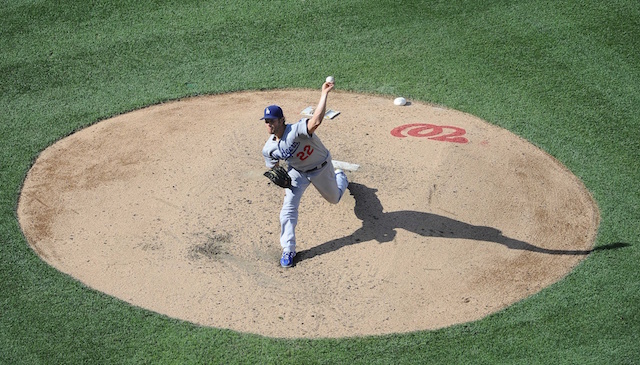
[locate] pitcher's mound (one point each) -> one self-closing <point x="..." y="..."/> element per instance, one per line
<point x="447" y="220"/>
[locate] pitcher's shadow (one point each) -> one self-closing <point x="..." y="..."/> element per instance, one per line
<point x="380" y="226"/>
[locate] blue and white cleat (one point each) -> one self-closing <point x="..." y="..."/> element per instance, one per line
<point x="287" y="259"/>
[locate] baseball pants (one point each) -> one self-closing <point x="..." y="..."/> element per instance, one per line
<point x="330" y="185"/>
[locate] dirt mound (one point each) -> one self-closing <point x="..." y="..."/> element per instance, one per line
<point x="447" y="220"/>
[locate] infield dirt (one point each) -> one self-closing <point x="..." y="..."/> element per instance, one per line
<point x="447" y="220"/>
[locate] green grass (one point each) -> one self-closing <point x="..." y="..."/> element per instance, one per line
<point x="563" y="74"/>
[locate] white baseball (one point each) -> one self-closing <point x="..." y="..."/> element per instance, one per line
<point x="400" y="101"/>
<point x="331" y="79"/>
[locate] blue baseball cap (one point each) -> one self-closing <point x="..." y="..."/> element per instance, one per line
<point x="272" y="112"/>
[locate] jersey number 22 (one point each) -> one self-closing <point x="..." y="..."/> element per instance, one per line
<point x="306" y="152"/>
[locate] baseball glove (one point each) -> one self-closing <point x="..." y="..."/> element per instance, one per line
<point x="279" y="176"/>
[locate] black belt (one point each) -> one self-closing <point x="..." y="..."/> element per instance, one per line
<point x="317" y="167"/>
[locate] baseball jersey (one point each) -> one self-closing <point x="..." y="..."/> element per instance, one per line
<point x="302" y="151"/>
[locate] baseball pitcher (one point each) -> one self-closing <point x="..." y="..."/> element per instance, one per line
<point x="309" y="162"/>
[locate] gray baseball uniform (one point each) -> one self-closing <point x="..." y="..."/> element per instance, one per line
<point x="309" y="163"/>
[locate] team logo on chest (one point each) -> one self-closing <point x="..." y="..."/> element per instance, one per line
<point x="287" y="153"/>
